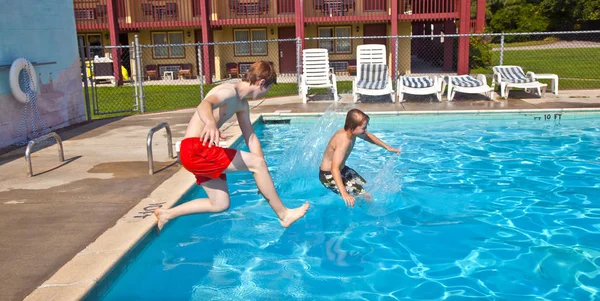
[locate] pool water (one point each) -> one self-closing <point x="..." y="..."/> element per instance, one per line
<point x="503" y="208"/>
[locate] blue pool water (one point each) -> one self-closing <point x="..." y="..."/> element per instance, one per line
<point x="475" y="208"/>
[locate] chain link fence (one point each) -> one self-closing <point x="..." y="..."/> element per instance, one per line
<point x="172" y="76"/>
<point x="109" y="94"/>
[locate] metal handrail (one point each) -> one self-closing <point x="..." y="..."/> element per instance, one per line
<point x="149" y="144"/>
<point x="61" y="154"/>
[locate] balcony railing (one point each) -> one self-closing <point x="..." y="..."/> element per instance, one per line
<point x="161" y="13"/>
<point x="427" y="9"/>
<point x="319" y="11"/>
<point x="90" y="14"/>
<point x="138" y="14"/>
<point x="234" y="12"/>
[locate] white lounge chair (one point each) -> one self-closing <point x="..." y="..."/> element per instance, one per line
<point x="468" y="84"/>
<point x="507" y="77"/>
<point x="372" y="76"/>
<point x="419" y="85"/>
<point x="316" y="72"/>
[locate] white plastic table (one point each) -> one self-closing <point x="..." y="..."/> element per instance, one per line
<point x="552" y="77"/>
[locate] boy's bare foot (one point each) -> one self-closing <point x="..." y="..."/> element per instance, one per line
<point x="162" y="219"/>
<point x="368" y="197"/>
<point x="293" y="215"/>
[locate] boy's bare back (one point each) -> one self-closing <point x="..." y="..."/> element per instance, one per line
<point x="341" y="144"/>
<point x="225" y="102"/>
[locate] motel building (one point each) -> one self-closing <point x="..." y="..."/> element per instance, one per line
<point x="116" y="22"/>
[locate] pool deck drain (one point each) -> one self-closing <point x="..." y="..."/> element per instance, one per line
<point x="65" y="227"/>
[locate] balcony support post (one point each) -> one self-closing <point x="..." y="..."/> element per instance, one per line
<point x="205" y="39"/>
<point x="300" y="21"/>
<point x="113" y="28"/>
<point x="464" y="27"/>
<point x="480" y="22"/>
<point x="393" y="42"/>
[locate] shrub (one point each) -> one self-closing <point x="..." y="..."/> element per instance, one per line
<point x="480" y="54"/>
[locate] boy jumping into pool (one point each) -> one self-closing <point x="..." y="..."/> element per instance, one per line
<point x="201" y="154"/>
<point x="333" y="173"/>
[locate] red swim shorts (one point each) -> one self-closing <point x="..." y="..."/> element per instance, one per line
<point x="204" y="162"/>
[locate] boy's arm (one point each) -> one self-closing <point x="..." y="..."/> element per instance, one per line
<point x="373" y="139"/>
<point x="252" y="141"/>
<point x="338" y="156"/>
<point x="205" y="109"/>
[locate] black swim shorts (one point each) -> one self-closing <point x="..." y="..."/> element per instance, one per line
<point x="352" y="181"/>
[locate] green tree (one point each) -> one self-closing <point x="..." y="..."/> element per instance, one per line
<point x="519" y="16"/>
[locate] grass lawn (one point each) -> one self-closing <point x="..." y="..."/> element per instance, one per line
<point x="576" y="67"/>
<point x="521" y="44"/>
<point x="163" y="98"/>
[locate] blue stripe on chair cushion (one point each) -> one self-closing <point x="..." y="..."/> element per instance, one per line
<point x="373" y="76"/>
<point x="512" y="75"/>
<point x="466" y="81"/>
<point x="417" y="81"/>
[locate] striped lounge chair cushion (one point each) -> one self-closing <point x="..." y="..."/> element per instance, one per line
<point x="417" y="82"/>
<point x="512" y="75"/>
<point x="466" y="81"/>
<point x="373" y="76"/>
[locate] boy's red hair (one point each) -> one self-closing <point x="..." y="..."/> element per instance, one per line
<point x="261" y="70"/>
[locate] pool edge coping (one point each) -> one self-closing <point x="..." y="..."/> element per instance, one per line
<point x="442" y="112"/>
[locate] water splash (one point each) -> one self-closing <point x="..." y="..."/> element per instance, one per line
<point x="385" y="189"/>
<point x="301" y="160"/>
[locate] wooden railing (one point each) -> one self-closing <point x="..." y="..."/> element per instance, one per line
<point x="318" y="11"/>
<point x="143" y="14"/>
<point x="427" y="9"/>
<point x="90" y="15"/>
<point x="234" y="12"/>
<point x="138" y="14"/>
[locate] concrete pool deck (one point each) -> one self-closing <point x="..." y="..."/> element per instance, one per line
<point x="65" y="227"/>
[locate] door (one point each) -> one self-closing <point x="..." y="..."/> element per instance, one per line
<point x="287" y="50"/>
<point x="372" y="30"/>
<point x="125" y="55"/>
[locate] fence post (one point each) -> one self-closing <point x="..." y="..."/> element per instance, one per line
<point x="298" y="62"/>
<point x="396" y="65"/>
<point x="501" y="48"/>
<point x="138" y="63"/>
<point x="200" y="72"/>
<point x="135" y="78"/>
<point x="85" y="83"/>
<point x="91" y="80"/>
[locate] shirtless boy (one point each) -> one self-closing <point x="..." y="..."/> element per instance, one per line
<point x="201" y="154"/>
<point x="334" y="174"/>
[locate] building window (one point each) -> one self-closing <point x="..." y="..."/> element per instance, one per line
<point x="171" y="44"/>
<point x="91" y="40"/>
<point x="336" y="45"/>
<point x="250" y="35"/>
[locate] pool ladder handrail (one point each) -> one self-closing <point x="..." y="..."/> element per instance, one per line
<point x="149" y="144"/>
<point x="61" y="154"/>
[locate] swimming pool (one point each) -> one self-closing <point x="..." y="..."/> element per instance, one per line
<point x="499" y="206"/>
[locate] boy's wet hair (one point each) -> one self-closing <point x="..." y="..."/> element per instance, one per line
<point x="355" y="118"/>
<point x="261" y="70"/>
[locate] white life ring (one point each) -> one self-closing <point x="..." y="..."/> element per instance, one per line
<point x="13" y="78"/>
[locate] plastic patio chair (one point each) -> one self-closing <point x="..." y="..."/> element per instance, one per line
<point x="316" y="72"/>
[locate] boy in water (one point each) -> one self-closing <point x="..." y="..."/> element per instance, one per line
<point x="201" y="154"/>
<point x="334" y="174"/>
